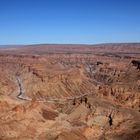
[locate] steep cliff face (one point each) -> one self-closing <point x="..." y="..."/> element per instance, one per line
<point x="124" y="87"/>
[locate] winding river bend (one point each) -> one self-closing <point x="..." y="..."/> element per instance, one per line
<point x="20" y="94"/>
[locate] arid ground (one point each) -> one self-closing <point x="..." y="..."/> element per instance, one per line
<point x="70" y="92"/>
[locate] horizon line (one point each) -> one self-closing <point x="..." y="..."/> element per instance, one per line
<point x="31" y="44"/>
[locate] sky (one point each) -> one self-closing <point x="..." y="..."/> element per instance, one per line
<point x="69" y="21"/>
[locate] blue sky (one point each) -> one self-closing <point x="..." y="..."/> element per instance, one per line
<point x="69" y="21"/>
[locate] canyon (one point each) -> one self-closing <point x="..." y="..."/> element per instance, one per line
<point x="70" y="92"/>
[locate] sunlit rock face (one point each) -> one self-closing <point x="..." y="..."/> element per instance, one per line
<point x="64" y="92"/>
